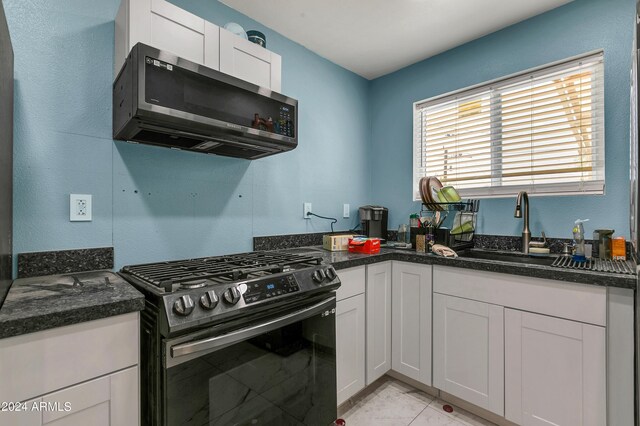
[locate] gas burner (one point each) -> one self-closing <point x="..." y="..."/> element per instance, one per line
<point x="193" y="284"/>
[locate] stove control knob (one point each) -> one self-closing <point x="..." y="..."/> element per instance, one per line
<point x="317" y="277"/>
<point x="209" y="300"/>
<point x="184" y="305"/>
<point x="232" y="295"/>
<point x="330" y="273"/>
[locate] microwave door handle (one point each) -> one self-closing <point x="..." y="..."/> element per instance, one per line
<point x="249" y="332"/>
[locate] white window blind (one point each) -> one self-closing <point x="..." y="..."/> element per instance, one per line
<point x="541" y="131"/>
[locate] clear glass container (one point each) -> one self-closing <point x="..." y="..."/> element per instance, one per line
<point x="403" y="233"/>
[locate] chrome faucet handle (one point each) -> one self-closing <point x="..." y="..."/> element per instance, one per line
<point x="539" y="244"/>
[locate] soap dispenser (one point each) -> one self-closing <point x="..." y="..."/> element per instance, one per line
<point x="578" y="237"/>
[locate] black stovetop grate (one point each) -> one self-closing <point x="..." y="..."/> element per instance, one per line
<point x="219" y="268"/>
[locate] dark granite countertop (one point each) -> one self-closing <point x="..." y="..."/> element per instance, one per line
<point x="343" y="259"/>
<point x="41" y="303"/>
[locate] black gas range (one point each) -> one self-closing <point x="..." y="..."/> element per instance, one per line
<point x="238" y="339"/>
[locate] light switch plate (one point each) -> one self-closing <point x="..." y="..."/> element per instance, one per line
<point x="345" y="211"/>
<point x="80" y="207"/>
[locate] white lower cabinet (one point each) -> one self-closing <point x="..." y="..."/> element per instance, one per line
<point x="468" y="350"/>
<point x="411" y="312"/>
<point x="350" y="360"/>
<point x="350" y="333"/>
<point x="489" y="347"/>
<point x="87" y="374"/>
<point x="110" y="401"/>
<point x="378" y="296"/>
<point x="555" y="371"/>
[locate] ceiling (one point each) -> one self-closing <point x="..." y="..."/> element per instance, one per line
<point x="375" y="37"/>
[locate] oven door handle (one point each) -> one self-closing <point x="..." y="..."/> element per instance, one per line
<point x="249" y="332"/>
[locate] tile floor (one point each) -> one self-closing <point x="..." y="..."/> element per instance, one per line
<point x="395" y="403"/>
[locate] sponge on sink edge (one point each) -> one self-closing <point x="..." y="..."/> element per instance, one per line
<point x="538" y="250"/>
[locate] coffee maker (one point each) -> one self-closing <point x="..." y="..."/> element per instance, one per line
<point x="373" y="220"/>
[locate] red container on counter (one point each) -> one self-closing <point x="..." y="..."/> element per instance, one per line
<point x="364" y="245"/>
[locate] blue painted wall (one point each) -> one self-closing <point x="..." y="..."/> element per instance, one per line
<point x="580" y="26"/>
<point x="153" y="203"/>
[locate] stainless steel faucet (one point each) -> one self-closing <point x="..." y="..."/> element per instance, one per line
<point x="526" y="234"/>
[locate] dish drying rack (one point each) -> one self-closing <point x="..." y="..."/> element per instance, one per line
<point x="598" y="265"/>
<point x="465" y="212"/>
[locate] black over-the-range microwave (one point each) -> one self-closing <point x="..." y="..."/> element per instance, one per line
<point x="162" y="99"/>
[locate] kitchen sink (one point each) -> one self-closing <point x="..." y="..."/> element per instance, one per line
<point x="508" y="257"/>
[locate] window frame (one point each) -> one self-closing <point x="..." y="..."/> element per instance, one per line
<point x="594" y="187"/>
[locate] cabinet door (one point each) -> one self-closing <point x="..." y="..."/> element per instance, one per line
<point x="165" y="26"/>
<point x="350" y="361"/>
<point x="378" y="295"/>
<point x="468" y="351"/>
<point x="125" y="397"/>
<point x="248" y="61"/>
<point x="176" y="30"/>
<point x="412" y="321"/>
<point x="109" y="401"/>
<point x="554" y="371"/>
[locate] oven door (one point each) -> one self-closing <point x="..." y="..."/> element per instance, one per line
<point x="279" y="370"/>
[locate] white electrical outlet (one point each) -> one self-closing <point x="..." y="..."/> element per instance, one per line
<point x="306" y="208"/>
<point x="345" y="211"/>
<point x="80" y="207"/>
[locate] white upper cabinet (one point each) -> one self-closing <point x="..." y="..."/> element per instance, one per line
<point x="165" y="26"/>
<point x="468" y="351"/>
<point x="411" y="312"/>
<point x="248" y="61"/>
<point x="378" y="320"/>
<point x="554" y="371"/>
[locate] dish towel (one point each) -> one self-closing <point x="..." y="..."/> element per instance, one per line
<point x="443" y="251"/>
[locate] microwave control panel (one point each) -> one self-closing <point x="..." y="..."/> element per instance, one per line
<point x="284" y="124"/>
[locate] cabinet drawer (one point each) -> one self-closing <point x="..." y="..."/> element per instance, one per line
<point x="40" y="363"/>
<point x="578" y="302"/>
<point x="353" y="282"/>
